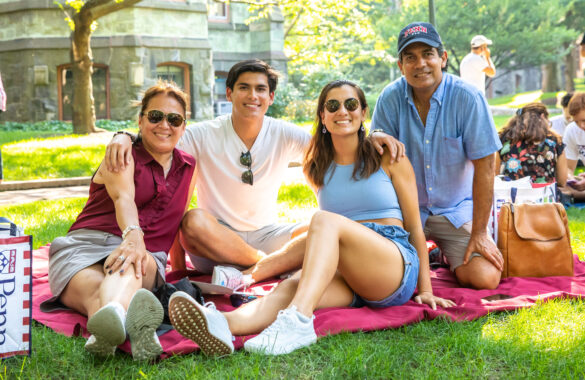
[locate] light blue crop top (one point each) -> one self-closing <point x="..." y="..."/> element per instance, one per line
<point x="366" y="199"/>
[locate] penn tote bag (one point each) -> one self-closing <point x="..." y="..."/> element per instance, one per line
<point x="15" y="290"/>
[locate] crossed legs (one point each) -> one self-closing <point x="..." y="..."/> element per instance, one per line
<point x="204" y="236"/>
<point x="341" y="257"/>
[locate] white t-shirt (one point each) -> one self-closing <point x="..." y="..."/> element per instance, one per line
<point x="574" y="139"/>
<point x="559" y="124"/>
<point x="220" y="190"/>
<point x="471" y="70"/>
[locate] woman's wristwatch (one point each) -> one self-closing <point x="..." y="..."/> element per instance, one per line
<point x="376" y="130"/>
<point x="130" y="228"/>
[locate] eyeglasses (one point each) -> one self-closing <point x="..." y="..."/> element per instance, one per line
<point x="156" y="116"/>
<point x="350" y="104"/>
<point x="246" y="160"/>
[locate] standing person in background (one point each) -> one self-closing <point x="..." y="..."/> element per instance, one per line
<point x="583" y="46"/>
<point x="2" y="109"/>
<point x="2" y="96"/>
<point x="477" y="64"/>
<point x="560" y="122"/>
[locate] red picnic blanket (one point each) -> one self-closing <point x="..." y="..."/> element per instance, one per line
<point x="511" y="294"/>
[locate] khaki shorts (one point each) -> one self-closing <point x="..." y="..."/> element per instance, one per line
<point x="452" y="241"/>
<point x="266" y="239"/>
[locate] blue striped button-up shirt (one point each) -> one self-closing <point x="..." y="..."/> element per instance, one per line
<point x="459" y="128"/>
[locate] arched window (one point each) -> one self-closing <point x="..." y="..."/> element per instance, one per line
<point x="101" y="91"/>
<point x="178" y="72"/>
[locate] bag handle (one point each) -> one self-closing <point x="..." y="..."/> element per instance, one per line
<point x="13" y="227"/>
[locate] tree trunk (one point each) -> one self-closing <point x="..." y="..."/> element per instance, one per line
<point x="549" y="78"/>
<point x="82" y="61"/>
<point x="570" y="71"/>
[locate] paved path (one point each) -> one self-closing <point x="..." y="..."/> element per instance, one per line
<point x="294" y="174"/>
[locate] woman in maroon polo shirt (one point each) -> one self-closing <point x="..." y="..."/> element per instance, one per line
<point x="116" y="251"/>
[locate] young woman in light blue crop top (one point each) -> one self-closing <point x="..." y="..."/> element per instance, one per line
<point x="366" y="247"/>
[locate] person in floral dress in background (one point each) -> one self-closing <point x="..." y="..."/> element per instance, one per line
<point x="530" y="148"/>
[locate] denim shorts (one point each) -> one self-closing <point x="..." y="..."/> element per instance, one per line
<point x="407" y="286"/>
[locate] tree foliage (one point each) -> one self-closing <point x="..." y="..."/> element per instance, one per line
<point x="328" y="39"/>
<point x="82" y="16"/>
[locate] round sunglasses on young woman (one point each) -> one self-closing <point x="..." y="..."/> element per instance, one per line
<point x="156" y="116"/>
<point x="351" y="104"/>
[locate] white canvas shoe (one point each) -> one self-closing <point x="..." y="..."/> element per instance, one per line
<point x="107" y="329"/>
<point x="230" y="277"/>
<point x="204" y="325"/>
<point x="290" y="331"/>
<point x="145" y="314"/>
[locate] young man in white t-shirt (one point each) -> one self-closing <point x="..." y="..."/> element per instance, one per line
<point x="477" y="64"/>
<point x="574" y="139"/>
<point x="241" y="162"/>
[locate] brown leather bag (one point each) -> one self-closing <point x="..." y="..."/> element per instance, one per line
<point x="534" y="240"/>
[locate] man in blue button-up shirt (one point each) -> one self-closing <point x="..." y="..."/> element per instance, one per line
<point x="450" y="137"/>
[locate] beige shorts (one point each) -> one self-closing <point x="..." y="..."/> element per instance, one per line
<point x="266" y="239"/>
<point x="452" y="241"/>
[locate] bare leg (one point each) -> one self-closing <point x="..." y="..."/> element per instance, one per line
<point x="478" y="274"/>
<point x="370" y="264"/>
<point x="255" y="316"/>
<point x="579" y="196"/>
<point x="204" y="236"/>
<point x="90" y="288"/>
<point x="286" y="259"/>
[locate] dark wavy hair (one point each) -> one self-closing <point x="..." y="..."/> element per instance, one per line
<point x="252" y="66"/>
<point x="527" y="125"/>
<point x="320" y="152"/>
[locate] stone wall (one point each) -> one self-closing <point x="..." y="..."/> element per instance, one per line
<point x="34" y="38"/>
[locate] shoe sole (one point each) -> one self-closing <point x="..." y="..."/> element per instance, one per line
<point x="268" y="350"/>
<point x="189" y="320"/>
<point x="108" y="330"/>
<point x="144" y="316"/>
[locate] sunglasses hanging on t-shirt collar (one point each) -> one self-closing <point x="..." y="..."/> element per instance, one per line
<point x="246" y="160"/>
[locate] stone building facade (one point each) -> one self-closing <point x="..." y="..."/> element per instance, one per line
<point x="193" y="42"/>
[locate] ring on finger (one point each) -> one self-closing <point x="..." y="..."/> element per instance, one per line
<point x="121" y="258"/>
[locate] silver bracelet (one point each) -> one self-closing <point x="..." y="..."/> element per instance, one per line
<point x="130" y="228"/>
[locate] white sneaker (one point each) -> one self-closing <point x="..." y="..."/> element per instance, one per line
<point x="204" y="325"/>
<point x="289" y="332"/>
<point x="107" y="329"/>
<point x="145" y="314"/>
<point x="230" y="277"/>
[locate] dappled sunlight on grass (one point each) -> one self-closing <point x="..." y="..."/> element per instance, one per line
<point x="100" y="139"/>
<point x="577" y="228"/>
<point x="45" y="220"/>
<point x="522" y="99"/>
<point x="553" y="326"/>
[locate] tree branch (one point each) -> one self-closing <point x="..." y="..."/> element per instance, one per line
<point x="99" y="8"/>
<point x="293" y="23"/>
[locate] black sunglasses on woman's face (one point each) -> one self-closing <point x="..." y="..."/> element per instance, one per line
<point x="156" y="116"/>
<point x="351" y="104"/>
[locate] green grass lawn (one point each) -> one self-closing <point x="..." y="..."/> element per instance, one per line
<point x="545" y="341"/>
<point x="523" y="98"/>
